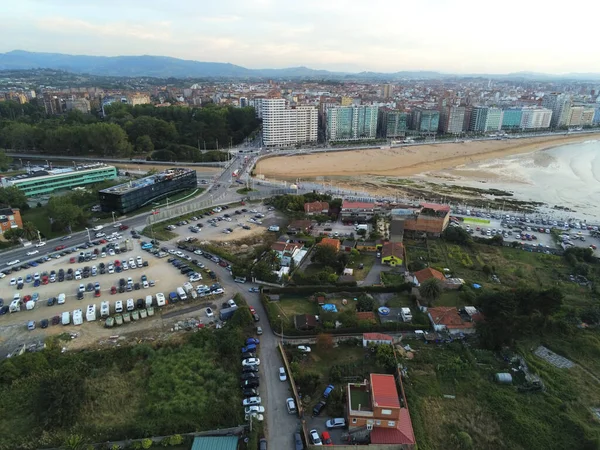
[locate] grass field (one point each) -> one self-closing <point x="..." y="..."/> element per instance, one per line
<point x="496" y="416"/>
<point x="366" y="260"/>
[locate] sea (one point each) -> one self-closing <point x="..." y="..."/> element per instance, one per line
<point x="567" y="176"/>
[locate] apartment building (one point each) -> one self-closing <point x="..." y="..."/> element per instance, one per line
<point x="536" y="118"/>
<point x="78" y="104"/>
<point x="425" y="120"/>
<point x="452" y="119"/>
<point x="392" y="123"/>
<point x="478" y="118"/>
<point x="560" y="104"/>
<point x="351" y="123"/>
<point x="285" y="126"/>
<point x="10" y="218"/>
<point x="493" y="119"/>
<point x="511" y="119"/>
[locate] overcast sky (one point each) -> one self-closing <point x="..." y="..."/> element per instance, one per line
<point x="458" y="36"/>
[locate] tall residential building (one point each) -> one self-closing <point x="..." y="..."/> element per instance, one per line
<point x="139" y="99"/>
<point x="350" y="123"/>
<point x="425" y="120"/>
<point x="452" y="119"/>
<point x="257" y="103"/>
<point x="536" y="118"/>
<point x="587" y="117"/>
<point x="511" y="119"/>
<point x="478" y="118"/>
<point x="392" y="124"/>
<point x="493" y="119"/>
<point x="79" y="104"/>
<point x="575" y="115"/>
<point x="284" y="126"/>
<point x="387" y="91"/>
<point x="559" y="103"/>
<point x="243" y="102"/>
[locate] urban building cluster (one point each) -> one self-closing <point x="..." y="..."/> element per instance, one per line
<point x="297" y="112"/>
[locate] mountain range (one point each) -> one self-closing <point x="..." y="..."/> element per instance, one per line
<point x="165" y="67"/>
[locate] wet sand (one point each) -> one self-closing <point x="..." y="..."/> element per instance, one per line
<point x="405" y="161"/>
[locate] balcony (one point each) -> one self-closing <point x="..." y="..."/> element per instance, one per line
<point x="359" y="401"/>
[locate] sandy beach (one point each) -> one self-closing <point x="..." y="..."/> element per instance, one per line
<point x="405" y="161"/>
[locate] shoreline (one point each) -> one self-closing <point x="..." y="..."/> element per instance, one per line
<point x="406" y="161"/>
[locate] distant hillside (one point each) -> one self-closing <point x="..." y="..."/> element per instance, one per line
<point x="165" y="67"/>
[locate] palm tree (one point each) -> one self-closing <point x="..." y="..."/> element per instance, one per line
<point x="431" y="290"/>
<point x="30" y="231"/>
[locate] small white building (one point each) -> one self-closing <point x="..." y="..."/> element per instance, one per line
<point x="377" y="339"/>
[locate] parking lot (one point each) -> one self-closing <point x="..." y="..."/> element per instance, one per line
<point x="335" y="229"/>
<point x="232" y="223"/>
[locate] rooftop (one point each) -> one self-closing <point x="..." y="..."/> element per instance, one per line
<point x="36" y="172"/>
<point x="357" y="205"/>
<point x="161" y="177"/>
<point x="385" y="393"/>
<point x="360" y="399"/>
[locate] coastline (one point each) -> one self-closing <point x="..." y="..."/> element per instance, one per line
<point x="406" y="161"/>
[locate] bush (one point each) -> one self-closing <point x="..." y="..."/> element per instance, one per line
<point x="146" y="443"/>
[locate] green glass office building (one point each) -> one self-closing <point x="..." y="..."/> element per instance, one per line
<point x="43" y="182"/>
<point x="350" y="123"/>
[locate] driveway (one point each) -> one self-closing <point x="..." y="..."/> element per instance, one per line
<point x="373" y="277"/>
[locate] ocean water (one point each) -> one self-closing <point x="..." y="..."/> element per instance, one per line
<point x="567" y="176"/>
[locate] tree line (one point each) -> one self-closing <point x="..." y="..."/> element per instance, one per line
<point x="169" y="132"/>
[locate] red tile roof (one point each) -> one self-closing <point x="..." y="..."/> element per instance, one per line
<point x="428" y="273"/>
<point x="436" y="207"/>
<point x="402" y="434"/>
<point x="357" y="205"/>
<point x="329" y="241"/>
<point x="285" y="246"/>
<point x="385" y="393"/>
<point x="316" y="207"/>
<point x="392" y="249"/>
<point x="377" y="337"/>
<point x="448" y="316"/>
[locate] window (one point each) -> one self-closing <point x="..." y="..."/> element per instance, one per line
<point x="391" y="423"/>
<point x="386" y="412"/>
<point x="354" y="420"/>
<point x="378" y="422"/>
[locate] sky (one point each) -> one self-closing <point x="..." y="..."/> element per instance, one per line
<point x="457" y="36"/>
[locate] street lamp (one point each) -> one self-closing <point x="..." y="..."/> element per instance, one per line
<point x="88" y="232"/>
<point x="113" y="215"/>
<point x="281" y="319"/>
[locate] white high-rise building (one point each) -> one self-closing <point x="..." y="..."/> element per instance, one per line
<point x="493" y="120"/>
<point x="536" y="118"/>
<point x="284" y="126"/>
<point x="560" y="104"/>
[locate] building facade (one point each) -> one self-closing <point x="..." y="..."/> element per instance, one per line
<point x="478" y="119"/>
<point x="534" y="118"/>
<point x="351" y="123"/>
<point x="511" y="119"/>
<point x="392" y="123"/>
<point x="560" y="104"/>
<point x="79" y="104"/>
<point x="10" y="218"/>
<point x="41" y="182"/>
<point x="284" y="126"/>
<point x="493" y="119"/>
<point x="452" y="119"/>
<point x="130" y="196"/>
<point x="426" y="120"/>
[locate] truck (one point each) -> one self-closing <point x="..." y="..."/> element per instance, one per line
<point x="226" y="313"/>
<point x="362" y="226"/>
<point x="77" y="317"/>
<point x="66" y="318"/>
<point x="181" y="294"/>
<point x="90" y="314"/>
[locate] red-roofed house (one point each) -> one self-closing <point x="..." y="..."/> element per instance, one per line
<point x="448" y="318"/>
<point x="377" y="338"/>
<point x="286" y="251"/>
<point x="427" y="273"/>
<point x="431" y="219"/>
<point x="378" y="407"/>
<point x="316" y="208"/>
<point x="335" y="243"/>
<point x="358" y="211"/>
<point x="392" y="253"/>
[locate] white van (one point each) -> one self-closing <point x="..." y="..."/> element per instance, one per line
<point x="119" y="306"/>
<point x="181" y="293"/>
<point x="273" y="228"/>
<point x="15" y="306"/>
<point x="130" y="304"/>
<point x="30" y="305"/>
<point x="148" y="301"/>
<point x="66" y="318"/>
<point x="105" y="309"/>
<point x="90" y="314"/>
<point x="160" y="299"/>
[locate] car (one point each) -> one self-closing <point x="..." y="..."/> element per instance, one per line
<point x="250" y="401"/>
<point x="249" y="348"/>
<point x="336" y="423"/>
<point x="32" y="252"/>
<point x="249" y="376"/>
<point x="209" y="312"/>
<point x="328" y="390"/>
<point x="248" y="355"/>
<point x="304" y="348"/>
<point x="251" y="362"/>
<point x="253" y="383"/>
<point x="326" y="438"/>
<point x="254" y="289"/>
<point x="40" y="244"/>
<point x="255" y="317"/>
<point x="298" y="445"/>
<point x="44" y="323"/>
<point x="314" y="437"/>
<point x="250" y="341"/>
<point x="259" y="330"/>
<point x="31" y="325"/>
<point x="51" y="301"/>
<point x="254" y="409"/>
<point x="318" y="408"/>
<point x="249" y="392"/>
<point x="13" y="262"/>
<point x="194" y="277"/>
<point x="248" y="369"/>
<point x="282" y="375"/>
<point x="119" y="306"/>
<point x="13" y="281"/>
<point x="262" y="444"/>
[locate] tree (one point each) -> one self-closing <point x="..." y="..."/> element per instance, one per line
<point x="14" y="234"/>
<point x="60" y="399"/>
<point x="143" y="144"/>
<point x="13" y="197"/>
<point x="324" y="341"/>
<point x="326" y="255"/>
<point x="365" y="304"/>
<point x="5" y="161"/>
<point x="457" y="235"/>
<point x="431" y="290"/>
<point x="30" y="231"/>
<point x="384" y="355"/>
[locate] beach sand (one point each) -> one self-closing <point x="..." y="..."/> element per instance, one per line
<point x="405" y="161"/>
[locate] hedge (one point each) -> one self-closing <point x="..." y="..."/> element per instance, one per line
<point x="405" y="287"/>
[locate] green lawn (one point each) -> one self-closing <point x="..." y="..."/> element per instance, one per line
<point x="451" y="298"/>
<point x="159" y="233"/>
<point x="367" y="261"/>
<point x="313" y="269"/>
<point x="292" y="305"/>
<point x="400" y="301"/>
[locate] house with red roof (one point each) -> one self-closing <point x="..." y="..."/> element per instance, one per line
<point x="450" y="319"/>
<point x="392" y="253"/>
<point x="316" y="208"/>
<point x="425" y="274"/>
<point x="430" y="219"/>
<point x="335" y="243"/>
<point x="378" y="406"/>
<point x="358" y="211"/>
<point x="377" y="338"/>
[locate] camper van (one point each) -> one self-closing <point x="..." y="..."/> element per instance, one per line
<point x="104" y="309"/>
<point x="148" y="301"/>
<point x="77" y="317"/>
<point x="130" y="304"/>
<point x="406" y="314"/>
<point x="15" y="306"/>
<point x="160" y="299"/>
<point x="90" y="314"/>
<point x="66" y="318"/>
<point x="181" y="293"/>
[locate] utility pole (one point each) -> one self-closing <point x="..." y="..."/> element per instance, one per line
<point x="39" y="236"/>
<point x="113" y="216"/>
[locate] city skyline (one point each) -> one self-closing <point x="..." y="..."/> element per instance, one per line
<point x="349" y="36"/>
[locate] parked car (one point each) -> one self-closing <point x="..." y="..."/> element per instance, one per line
<point x="328" y="391"/>
<point x="336" y="423"/>
<point x="249" y="392"/>
<point x="250" y="401"/>
<point x="282" y="375"/>
<point x="304" y="348"/>
<point x="314" y="437"/>
<point x="251" y="362"/>
<point x="318" y="408"/>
